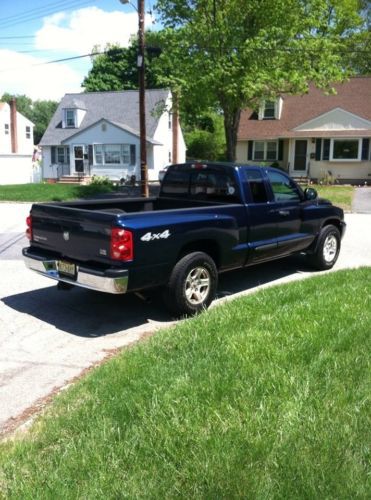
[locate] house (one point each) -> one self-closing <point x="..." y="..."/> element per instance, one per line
<point x="16" y="145"/>
<point x="315" y="135"/>
<point x="97" y="133"/>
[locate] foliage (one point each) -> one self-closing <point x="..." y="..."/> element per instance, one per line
<point x="264" y="397"/>
<point x="205" y="138"/>
<point x="39" y="112"/>
<point x="116" y="68"/>
<point x="230" y="55"/>
<point x="100" y="180"/>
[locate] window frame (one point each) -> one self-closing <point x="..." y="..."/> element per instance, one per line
<point x="6" y="129"/>
<point x="28" y="132"/>
<point x="126" y="154"/>
<point x="66" y="118"/>
<point x="265" y="151"/>
<point x="269" y="108"/>
<point x="345" y="139"/>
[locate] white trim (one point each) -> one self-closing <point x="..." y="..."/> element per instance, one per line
<point x="342" y="160"/>
<point x="312" y="124"/>
<point x="292" y="144"/>
<point x="265" y="142"/>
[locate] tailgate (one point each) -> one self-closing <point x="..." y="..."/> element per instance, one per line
<point x="78" y="234"/>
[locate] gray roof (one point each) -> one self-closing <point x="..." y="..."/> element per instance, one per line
<point x="120" y="108"/>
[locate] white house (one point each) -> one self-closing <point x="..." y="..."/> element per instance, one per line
<point x="315" y="135"/>
<point x="16" y="146"/>
<point x="97" y="133"/>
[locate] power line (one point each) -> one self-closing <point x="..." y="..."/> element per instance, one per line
<point x="41" y="12"/>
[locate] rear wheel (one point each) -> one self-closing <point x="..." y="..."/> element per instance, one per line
<point x="327" y="249"/>
<point x="192" y="285"/>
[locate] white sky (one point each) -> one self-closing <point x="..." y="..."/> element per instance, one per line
<point x="64" y="35"/>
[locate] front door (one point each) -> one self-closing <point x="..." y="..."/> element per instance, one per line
<point x="300" y="157"/>
<point x="78" y="155"/>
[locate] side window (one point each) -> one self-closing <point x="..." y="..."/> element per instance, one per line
<point x="283" y="188"/>
<point x="256" y="185"/>
<point x="211" y="184"/>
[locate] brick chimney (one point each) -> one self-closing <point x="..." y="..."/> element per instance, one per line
<point x="13" y="125"/>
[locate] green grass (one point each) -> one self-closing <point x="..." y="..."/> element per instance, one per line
<point x="49" y="192"/>
<point x="265" y="397"/>
<point x="339" y="195"/>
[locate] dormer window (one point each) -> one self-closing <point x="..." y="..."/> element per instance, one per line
<point x="70" y="118"/>
<point x="269" y="110"/>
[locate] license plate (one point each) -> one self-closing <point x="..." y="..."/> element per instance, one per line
<point x="67" y="268"/>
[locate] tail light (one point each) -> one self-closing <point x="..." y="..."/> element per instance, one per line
<point x="122" y="247"/>
<point x="29" y="227"/>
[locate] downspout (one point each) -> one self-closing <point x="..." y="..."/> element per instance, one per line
<point x="175" y="128"/>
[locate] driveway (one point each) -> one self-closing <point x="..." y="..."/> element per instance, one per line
<point x="49" y="337"/>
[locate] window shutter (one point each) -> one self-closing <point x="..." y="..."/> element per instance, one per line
<point x="53" y="154"/>
<point x="318" y="149"/>
<point x="90" y="154"/>
<point x="132" y="154"/>
<point x="68" y="154"/>
<point x="365" y="148"/>
<point x="326" y="149"/>
<point x="249" y="149"/>
<point x="280" y="150"/>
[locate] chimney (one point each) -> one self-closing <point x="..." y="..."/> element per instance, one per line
<point x="13" y="125"/>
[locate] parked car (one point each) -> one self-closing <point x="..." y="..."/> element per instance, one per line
<point x="208" y="218"/>
<point x="162" y="173"/>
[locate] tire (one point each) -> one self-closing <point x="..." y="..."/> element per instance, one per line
<point x="327" y="248"/>
<point x="192" y="285"/>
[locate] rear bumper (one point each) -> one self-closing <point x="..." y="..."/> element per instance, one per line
<point x="110" y="281"/>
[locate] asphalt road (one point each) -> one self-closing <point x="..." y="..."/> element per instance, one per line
<point x="48" y="337"/>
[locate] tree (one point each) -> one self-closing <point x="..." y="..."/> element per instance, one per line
<point x="232" y="54"/>
<point x="39" y="112"/>
<point x="116" y="68"/>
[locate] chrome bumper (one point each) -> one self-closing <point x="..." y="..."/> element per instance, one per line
<point x="110" y="281"/>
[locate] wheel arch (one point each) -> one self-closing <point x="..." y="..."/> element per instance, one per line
<point x="210" y="247"/>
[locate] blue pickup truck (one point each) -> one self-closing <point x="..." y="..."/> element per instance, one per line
<point x="208" y="218"/>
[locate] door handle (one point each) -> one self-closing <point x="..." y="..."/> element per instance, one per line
<point x="285" y="213"/>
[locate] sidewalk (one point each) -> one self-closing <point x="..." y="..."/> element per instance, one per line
<point x="362" y="200"/>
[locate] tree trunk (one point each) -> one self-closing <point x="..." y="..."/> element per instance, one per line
<point x="231" y="124"/>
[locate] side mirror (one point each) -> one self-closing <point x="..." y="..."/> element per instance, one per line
<point x="310" y="194"/>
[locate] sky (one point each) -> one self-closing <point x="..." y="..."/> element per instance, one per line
<point x="35" y="32"/>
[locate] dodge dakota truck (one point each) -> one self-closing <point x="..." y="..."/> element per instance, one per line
<point x="208" y="218"/>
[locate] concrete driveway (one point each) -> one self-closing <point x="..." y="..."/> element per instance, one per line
<point x="48" y="337"/>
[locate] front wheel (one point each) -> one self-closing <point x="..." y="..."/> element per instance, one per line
<point x="327" y="248"/>
<point x="192" y="285"/>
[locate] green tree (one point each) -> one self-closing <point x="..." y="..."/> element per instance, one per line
<point x="39" y="112"/>
<point x="116" y="68"/>
<point x="204" y="136"/>
<point x="231" y="54"/>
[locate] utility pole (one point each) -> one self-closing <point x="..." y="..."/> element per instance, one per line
<point x="142" y="102"/>
<point x="142" y="97"/>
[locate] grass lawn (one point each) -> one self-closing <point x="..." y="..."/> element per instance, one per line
<point x="339" y="195"/>
<point x="265" y="397"/>
<point x="49" y="192"/>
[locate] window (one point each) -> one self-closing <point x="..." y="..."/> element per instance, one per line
<point x="114" y="154"/>
<point x="345" y="149"/>
<point x="269" y="110"/>
<point x="70" y="118"/>
<point x="283" y="188"/>
<point x="256" y="185"/>
<point x="211" y="184"/>
<point x="265" y="150"/>
<point x="28" y="132"/>
<point x="6" y="128"/>
<point x="61" y="155"/>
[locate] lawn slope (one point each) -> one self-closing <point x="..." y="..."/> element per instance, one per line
<point x="267" y="396"/>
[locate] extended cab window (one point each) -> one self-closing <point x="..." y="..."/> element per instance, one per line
<point x="213" y="184"/>
<point x="256" y="185"/>
<point x="283" y="188"/>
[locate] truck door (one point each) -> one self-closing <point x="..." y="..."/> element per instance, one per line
<point x="286" y="209"/>
<point x="262" y="223"/>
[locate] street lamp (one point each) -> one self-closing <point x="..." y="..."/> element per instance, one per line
<point x="142" y="106"/>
